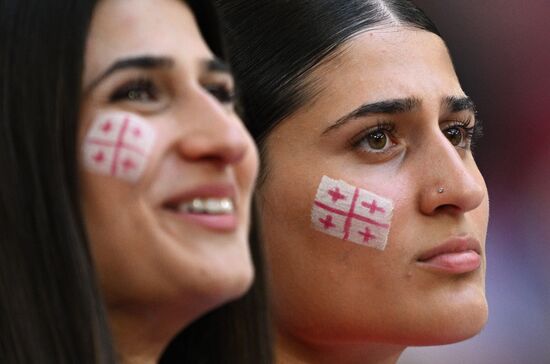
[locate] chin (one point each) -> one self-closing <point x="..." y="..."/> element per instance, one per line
<point x="455" y="325"/>
<point x="228" y="281"/>
<point x="470" y="325"/>
<point x="240" y="282"/>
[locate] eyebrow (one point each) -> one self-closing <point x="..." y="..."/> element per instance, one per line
<point x="153" y="62"/>
<point x="453" y="104"/>
<point x="140" y="62"/>
<point x="393" y="106"/>
<point x="458" y="104"/>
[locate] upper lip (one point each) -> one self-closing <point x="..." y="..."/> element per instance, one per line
<point x="223" y="190"/>
<point x="455" y="244"/>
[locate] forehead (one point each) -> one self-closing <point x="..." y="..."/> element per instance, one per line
<point x="389" y="63"/>
<point x="122" y="28"/>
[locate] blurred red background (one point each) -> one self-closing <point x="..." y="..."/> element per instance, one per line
<point x="501" y="50"/>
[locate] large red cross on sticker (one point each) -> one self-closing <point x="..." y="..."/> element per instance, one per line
<point x="119" y="145"/>
<point x="351" y="213"/>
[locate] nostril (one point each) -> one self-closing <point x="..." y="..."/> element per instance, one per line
<point x="448" y="208"/>
<point x="235" y="155"/>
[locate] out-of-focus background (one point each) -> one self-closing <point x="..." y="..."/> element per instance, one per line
<point x="501" y="50"/>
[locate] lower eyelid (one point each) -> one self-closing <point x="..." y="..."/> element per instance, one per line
<point x="386" y="150"/>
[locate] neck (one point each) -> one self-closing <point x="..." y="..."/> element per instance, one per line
<point x="291" y="350"/>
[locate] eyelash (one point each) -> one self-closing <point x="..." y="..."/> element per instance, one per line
<point x="134" y="90"/>
<point x="471" y="134"/>
<point x="223" y="93"/>
<point x="384" y="126"/>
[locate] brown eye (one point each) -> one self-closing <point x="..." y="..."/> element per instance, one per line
<point x="377" y="140"/>
<point x="139" y="90"/>
<point x="454" y="135"/>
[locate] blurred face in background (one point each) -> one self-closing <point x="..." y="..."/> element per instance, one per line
<point x="167" y="218"/>
<point x="391" y="118"/>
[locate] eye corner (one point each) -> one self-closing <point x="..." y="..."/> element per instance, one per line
<point x="224" y="92"/>
<point x="467" y="129"/>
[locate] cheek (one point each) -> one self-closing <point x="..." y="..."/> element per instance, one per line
<point x="118" y="145"/>
<point x="480" y="214"/>
<point x="284" y="203"/>
<point x="480" y="218"/>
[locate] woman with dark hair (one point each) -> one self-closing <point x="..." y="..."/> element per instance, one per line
<point x="126" y="183"/>
<point x="374" y="213"/>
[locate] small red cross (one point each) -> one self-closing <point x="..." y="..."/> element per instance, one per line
<point x="327" y="222"/>
<point x="367" y="235"/>
<point x="106" y="127"/>
<point x="137" y="132"/>
<point x="373" y="207"/>
<point x="336" y="195"/>
<point x="99" y="157"/>
<point x="128" y="164"/>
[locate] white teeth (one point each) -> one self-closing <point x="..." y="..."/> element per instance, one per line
<point x="214" y="206"/>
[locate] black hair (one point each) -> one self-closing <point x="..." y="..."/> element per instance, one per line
<point x="239" y="331"/>
<point x="209" y="25"/>
<point x="274" y="45"/>
<point x="51" y="310"/>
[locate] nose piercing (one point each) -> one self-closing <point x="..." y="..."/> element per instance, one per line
<point x="440" y="190"/>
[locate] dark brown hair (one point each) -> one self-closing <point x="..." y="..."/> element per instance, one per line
<point x="51" y="310"/>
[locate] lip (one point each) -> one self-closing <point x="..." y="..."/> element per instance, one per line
<point x="221" y="222"/>
<point x="457" y="255"/>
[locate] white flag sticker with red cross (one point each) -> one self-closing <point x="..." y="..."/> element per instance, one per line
<point x="118" y="144"/>
<point x="351" y="213"/>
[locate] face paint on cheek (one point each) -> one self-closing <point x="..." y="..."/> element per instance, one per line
<point x="352" y="213"/>
<point x="118" y="145"/>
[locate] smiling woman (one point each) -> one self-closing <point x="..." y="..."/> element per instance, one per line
<point x="124" y="166"/>
<point x="373" y="211"/>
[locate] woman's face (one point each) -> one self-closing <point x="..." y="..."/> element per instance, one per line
<point x="167" y="168"/>
<point x="390" y="118"/>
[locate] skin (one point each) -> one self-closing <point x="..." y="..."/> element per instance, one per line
<point x="159" y="270"/>
<point x="336" y="301"/>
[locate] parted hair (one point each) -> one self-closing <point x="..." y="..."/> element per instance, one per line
<point x="274" y="45"/>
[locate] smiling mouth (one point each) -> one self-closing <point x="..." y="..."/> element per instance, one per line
<point x="213" y="207"/>
<point x="213" y="213"/>
<point x="207" y="206"/>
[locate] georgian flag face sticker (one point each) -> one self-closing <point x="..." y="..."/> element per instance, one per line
<point x="351" y="213"/>
<point x="118" y="144"/>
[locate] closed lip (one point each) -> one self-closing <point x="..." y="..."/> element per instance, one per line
<point x="457" y="255"/>
<point x="450" y="246"/>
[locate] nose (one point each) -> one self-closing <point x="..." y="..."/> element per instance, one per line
<point x="217" y="135"/>
<point x="451" y="182"/>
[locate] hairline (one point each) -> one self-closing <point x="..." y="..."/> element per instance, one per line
<point x="309" y="88"/>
